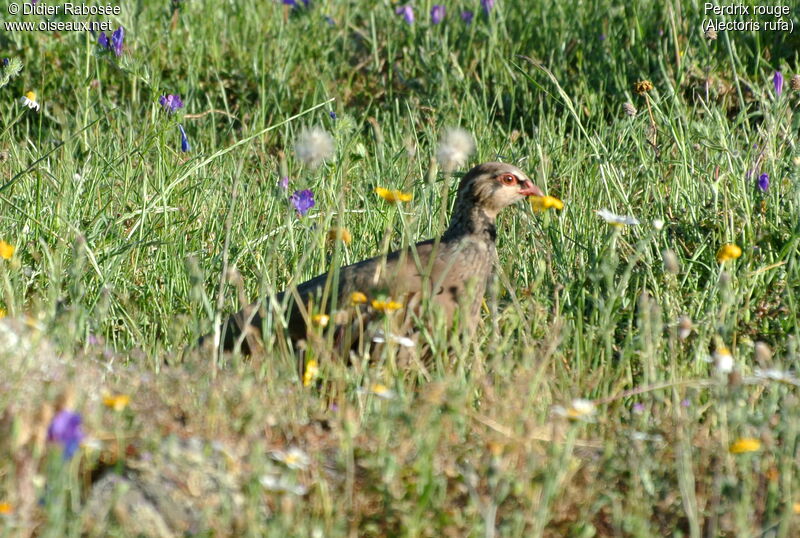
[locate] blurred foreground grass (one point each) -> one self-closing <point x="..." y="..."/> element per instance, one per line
<point x="119" y="236"/>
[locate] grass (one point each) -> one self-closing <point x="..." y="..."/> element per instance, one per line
<point x="120" y="239"/>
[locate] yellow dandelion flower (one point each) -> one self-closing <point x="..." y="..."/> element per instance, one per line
<point x="393" y="196"/>
<point x="543" y="203"/>
<point x="294" y="458"/>
<point x="117" y="402"/>
<point x="312" y="370"/>
<point x="386" y="306"/>
<point x="357" y="298"/>
<point x="796" y="508"/>
<point x="5" y="508"/>
<point x="3" y="313"/>
<point x="321" y="320"/>
<point x="341" y="234"/>
<point x="745" y="445"/>
<point x="728" y="252"/>
<point x="6" y="250"/>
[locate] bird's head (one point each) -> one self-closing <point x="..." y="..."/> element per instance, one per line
<point x="494" y="186"/>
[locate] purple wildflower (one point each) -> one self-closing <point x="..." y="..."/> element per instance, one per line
<point x="302" y="201"/>
<point x="284" y="182"/>
<point x="638" y="408"/>
<point x="103" y="40"/>
<point x="685" y="402"/>
<point x="763" y="182"/>
<point x="171" y="102"/>
<point x="467" y="16"/>
<point x="487" y="5"/>
<point x="66" y="430"/>
<point x="5" y="62"/>
<point x="116" y="40"/>
<point x="437" y="13"/>
<point x="332" y="114"/>
<point x="407" y="12"/>
<point x="777" y="80"/>
<point x="602" y="37"/>
<point x="185" y="147"/>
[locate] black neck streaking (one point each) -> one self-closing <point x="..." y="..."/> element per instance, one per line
<point x="470" y="219"/>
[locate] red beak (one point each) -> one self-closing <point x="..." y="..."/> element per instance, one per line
<point x="529" y="189"/>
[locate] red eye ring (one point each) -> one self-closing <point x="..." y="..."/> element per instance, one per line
<point x="508" y="179"/>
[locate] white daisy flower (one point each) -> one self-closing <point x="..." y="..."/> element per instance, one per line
<point x="404" y="341"/>
<point x="643" y="436"/>
<point x="314" y="146"/>
<point x="281" y="484"/>
<point x="29" y="100"/>
<point x="616" y="220"/>
<point x="294" y="458"/>
<point x="380" y="390"/>
<point x="579" y="409"/>
<point x="455" y="147"/>
<point x="658" y="224"/>
<point x="723" y="360"/>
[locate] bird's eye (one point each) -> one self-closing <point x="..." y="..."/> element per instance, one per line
<point x="508" y="179"/>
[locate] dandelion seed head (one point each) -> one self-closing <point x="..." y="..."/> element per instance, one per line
<point x="670" y="260"/>
<point x="454" y="149"/>
<point x="314" y="146"/>
<point x="763" y="353"/>
<point x="685" y="327"/>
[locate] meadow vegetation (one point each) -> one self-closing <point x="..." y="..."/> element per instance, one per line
<point x="627" y="380"/>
